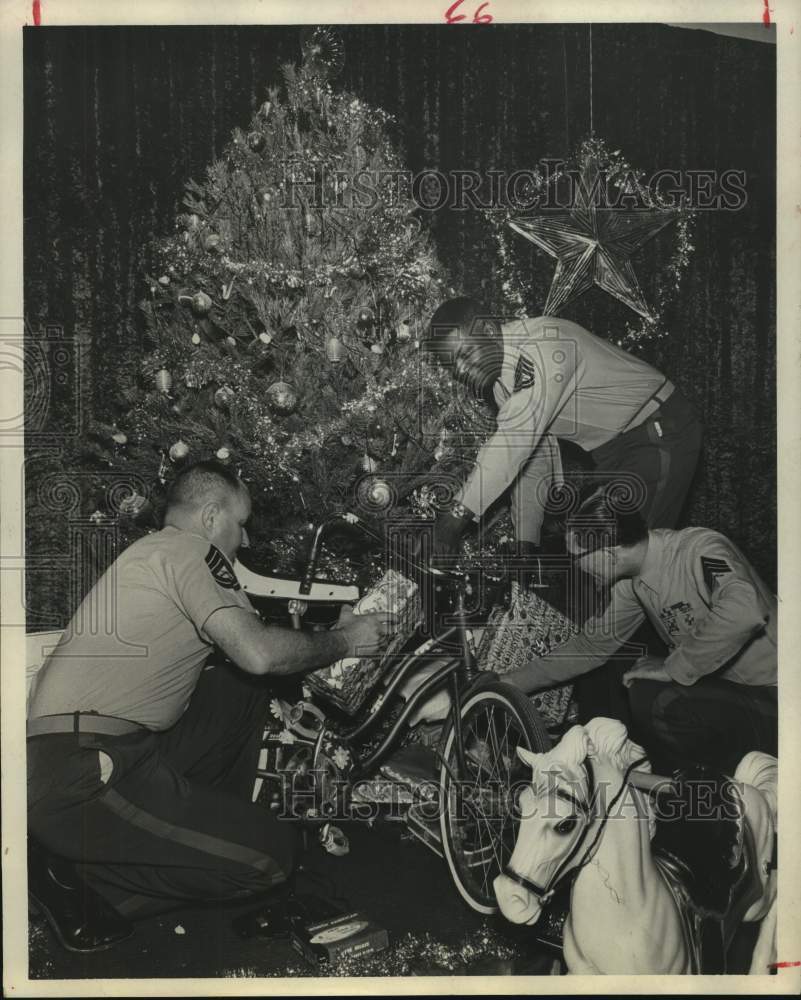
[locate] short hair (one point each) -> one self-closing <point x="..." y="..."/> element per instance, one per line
<point x="455" y="314"/>
<point x="605" y="518"/>
<point x="201" y="482"/>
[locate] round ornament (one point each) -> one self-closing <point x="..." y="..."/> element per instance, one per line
<point x="365" y="319"/>
<point x="224" y="396"/>
<point x="334" y="350"/>
<point x="119" y="438"/>
<point x="376" y="446"/>
<point x="223" y="454"/>
<point x="201" y="304"/>
<point x="265" y="338"/>
<point x="164" y="279"/>
<point x="282" y="397"/>
<point x="256" y="141"/>
<point x="231" y="341"/>
<point x="377" y="348"/>
<point x="195" y="339"/>
<point x="179" y="451"/>
<point x="163" y="380"/>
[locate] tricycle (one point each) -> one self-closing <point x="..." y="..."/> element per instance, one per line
<point x="327" y="748"/>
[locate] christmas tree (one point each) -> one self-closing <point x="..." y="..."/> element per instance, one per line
<point x="283" y="319"/>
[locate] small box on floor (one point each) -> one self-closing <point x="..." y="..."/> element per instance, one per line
<point x="344" y="936"/>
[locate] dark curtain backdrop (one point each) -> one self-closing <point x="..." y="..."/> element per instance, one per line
<point x="117" y="119"/>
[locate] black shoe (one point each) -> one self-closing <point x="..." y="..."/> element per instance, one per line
<point x="80" y="918"/>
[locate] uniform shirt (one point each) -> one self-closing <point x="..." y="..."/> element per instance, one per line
<point x="705" y="601"/>
<point x="137" y="643"/>
<point x="558" y="378"/>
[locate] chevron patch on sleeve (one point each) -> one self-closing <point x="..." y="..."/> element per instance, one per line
<point x="713" y="569"/>
<point x="221" y="569"/>
<point x="525" y="374"/>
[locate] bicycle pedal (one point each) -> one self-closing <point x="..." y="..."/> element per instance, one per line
<point x="429" y="734"/>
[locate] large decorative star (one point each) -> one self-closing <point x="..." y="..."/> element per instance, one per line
<point x="593" y="242"/>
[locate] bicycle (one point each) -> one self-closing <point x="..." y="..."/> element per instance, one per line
<point x="478" y="764"/>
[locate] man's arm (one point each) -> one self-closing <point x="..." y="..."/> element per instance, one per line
<point x="737" y="613"/>
<point x="522" y="421"/>
<point x="271" y="649"/>
<point x="600" y="638"/>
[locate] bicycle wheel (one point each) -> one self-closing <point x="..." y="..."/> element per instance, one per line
<point x="476" y="822"/>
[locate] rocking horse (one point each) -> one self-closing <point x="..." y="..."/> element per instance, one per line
<point x="659" y="873"/>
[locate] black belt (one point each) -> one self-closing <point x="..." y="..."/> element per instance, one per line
<point x="662" y="395"/>
<point x="82" y="722"/>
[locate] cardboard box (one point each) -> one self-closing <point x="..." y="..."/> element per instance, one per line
<point x="345" y="936"/>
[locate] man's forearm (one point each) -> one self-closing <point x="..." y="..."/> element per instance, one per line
<point x="293" y="652"/>
<point x="547" y="671"/>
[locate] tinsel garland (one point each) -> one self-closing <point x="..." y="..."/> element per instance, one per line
<point x="413" y="955"/>
<point x="621" y="175"/>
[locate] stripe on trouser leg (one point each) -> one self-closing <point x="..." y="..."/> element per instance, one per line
<point x="658" y="500"/>
<point x="204" y="842"/>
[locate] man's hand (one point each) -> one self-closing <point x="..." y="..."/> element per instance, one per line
<point x="366" y="634"/>
<point x="448" y="530"/>
<point x="647" y="668"/>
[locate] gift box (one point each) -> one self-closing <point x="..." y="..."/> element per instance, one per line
<point x="348" y="935"/>
<point x="529" y="627"/>
<point x="348" y="682"/>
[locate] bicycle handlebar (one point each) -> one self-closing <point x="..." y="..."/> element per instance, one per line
<point x="352" y="520"/>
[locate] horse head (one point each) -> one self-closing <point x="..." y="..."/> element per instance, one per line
<point x="562" y="812"/>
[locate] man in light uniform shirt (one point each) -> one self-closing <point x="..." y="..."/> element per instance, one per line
<point x="141" y="762"/>
<point x="552" y="379"/>
<point x="712" y="699"/>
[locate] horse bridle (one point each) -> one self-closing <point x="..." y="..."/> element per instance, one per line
<point x="544" y="893"/>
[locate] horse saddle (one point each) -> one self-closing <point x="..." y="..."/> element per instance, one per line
<point x="704" y="850"/>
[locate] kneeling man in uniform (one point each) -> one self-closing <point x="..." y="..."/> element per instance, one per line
<point x="141" y="760"/>
<point x="712" y="699"/>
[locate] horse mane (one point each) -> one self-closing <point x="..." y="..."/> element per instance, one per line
<point x="600" y="738"/>
<point x="610" y="739"/>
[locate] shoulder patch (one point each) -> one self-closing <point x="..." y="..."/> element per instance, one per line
<point x="712" y="569"/>
<point x="525" y="374"/>
<point x="221" y="569"/>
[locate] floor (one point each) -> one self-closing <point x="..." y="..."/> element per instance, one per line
<point x="393" y="879"/>
<point x="389" y="876"/>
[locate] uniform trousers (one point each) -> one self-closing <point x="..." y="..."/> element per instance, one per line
<point x="655" y="460"/>
<point x="174" y="822"/>
<point x="660" y="456"/>
<point x="714" y="722"/>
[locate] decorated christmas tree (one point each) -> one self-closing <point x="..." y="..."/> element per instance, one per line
<point x="283" y="319"/>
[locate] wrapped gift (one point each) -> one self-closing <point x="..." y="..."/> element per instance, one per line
<point x="347" y="682"/>
<point x="529" y="627"/>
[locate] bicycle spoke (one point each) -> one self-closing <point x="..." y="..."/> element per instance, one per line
<point x="494" y="852"/>
<point x="495" y="746"/>
<point x="483" y="831"/>
<point x="506" y="813"/>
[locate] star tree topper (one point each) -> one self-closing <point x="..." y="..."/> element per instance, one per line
<point x="593" y="242"/>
